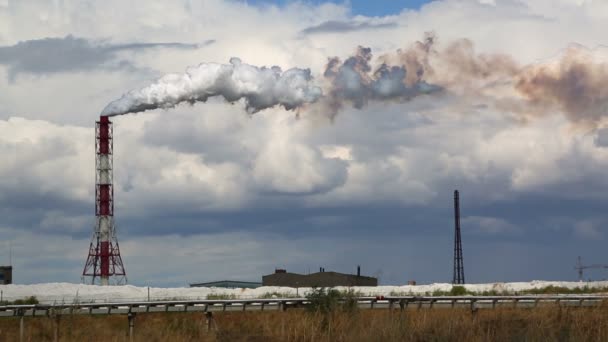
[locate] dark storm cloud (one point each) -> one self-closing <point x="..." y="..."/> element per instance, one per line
<point x="137" y="46"/>
<point x="391" y="236"/>
<point x="333" y="26"/>
<point x="52" y="55"/>
<point x="50" y="212"/>
<point x="602" y="137"/>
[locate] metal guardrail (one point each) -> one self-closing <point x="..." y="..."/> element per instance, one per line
<point x="379" y="302"/>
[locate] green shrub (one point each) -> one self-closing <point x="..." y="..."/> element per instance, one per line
<point x="458" y="291"/>
<point x="218" y="296"/>
<point x="270" y="295"/>
<point x="323" y="300"/>
<point x="438" y="293"/>
<point x="564" y="290"/>
<point x="326" y="301"/>
<point x="25" y="301"/>
<point x="349" y="300"/>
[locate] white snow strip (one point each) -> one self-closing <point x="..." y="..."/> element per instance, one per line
<point x="71" y="293"/>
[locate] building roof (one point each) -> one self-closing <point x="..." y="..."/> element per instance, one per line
<point x="229" y="284"/>
<point x="318" y="279"/>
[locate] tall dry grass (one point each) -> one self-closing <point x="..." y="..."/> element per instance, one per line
<point x="539" y="324"/>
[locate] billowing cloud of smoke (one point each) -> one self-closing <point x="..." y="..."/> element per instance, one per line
<point x="459" y="66"/>
<point x="355" y="81"/>
<point x="576" y="83"/>
<point x="260" y="87"/>
<point x="418" y="70"/>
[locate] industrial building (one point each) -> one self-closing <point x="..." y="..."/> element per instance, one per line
<point x="6" y="275"/>
<point x="320" y="279"/>
<point x="229" y="284"/>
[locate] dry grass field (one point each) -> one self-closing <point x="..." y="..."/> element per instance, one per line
<point x="539" y="324"/>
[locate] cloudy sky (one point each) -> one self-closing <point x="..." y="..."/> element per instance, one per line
<point x="210" y="191"/>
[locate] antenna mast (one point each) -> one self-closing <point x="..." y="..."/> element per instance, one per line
<point x="458" y="262"/>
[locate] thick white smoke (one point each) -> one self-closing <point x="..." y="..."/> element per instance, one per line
<point x="261" y="88"/>
<point x="574" y="84"/>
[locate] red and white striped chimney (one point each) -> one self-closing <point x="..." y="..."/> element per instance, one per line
<point x="104" y="260"/>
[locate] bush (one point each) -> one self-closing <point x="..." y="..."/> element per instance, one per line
<point x="438" y="293"/>
<point x="270" y="295"/>
<point x="401" y="293"/>
<point x="349" y="301"/>
<point x="458" y="291"/>
<point x="326" y="301"/>
<point x="25" y="301"/>
<point x="323" y="300"/>
<point x="221" y="296"/>
<point x="551" y="289"/>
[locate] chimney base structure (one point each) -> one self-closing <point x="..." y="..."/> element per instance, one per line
<point x="104" y="265"/>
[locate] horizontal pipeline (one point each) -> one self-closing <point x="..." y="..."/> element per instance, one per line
<point x="380" y="302"/>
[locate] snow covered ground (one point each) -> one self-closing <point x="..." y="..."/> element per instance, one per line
<point x="69" y="293"/>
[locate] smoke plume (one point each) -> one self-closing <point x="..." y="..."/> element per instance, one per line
<point x="261" y="88"/>
<point x="576" y="84"/>
<point x="357" y="81"/>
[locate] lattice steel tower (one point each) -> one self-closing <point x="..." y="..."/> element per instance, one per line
<point x="104" y="261"/>
<point x="458" y="263"/>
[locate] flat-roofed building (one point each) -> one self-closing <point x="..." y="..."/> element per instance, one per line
<point x="6" y="275"/>
<point x="319" y="279"/>
<point x="229" y="284"/>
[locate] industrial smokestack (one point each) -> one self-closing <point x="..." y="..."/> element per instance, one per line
<point x="358" y="270"/>
<point x="104" y="260"/>
<point x="105" y="204"/>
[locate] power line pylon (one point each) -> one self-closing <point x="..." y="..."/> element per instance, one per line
<point x="580" y="267"/>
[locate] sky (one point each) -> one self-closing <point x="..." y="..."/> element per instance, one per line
<point x="359" y="7"/>
<point x="504" y="100"/>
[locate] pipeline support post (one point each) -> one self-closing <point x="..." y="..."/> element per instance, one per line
<point x="21" y="314"/>
<point x="210" y="321"/>
<point x="131" y="318"/>
<point x="56" y="320"/>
